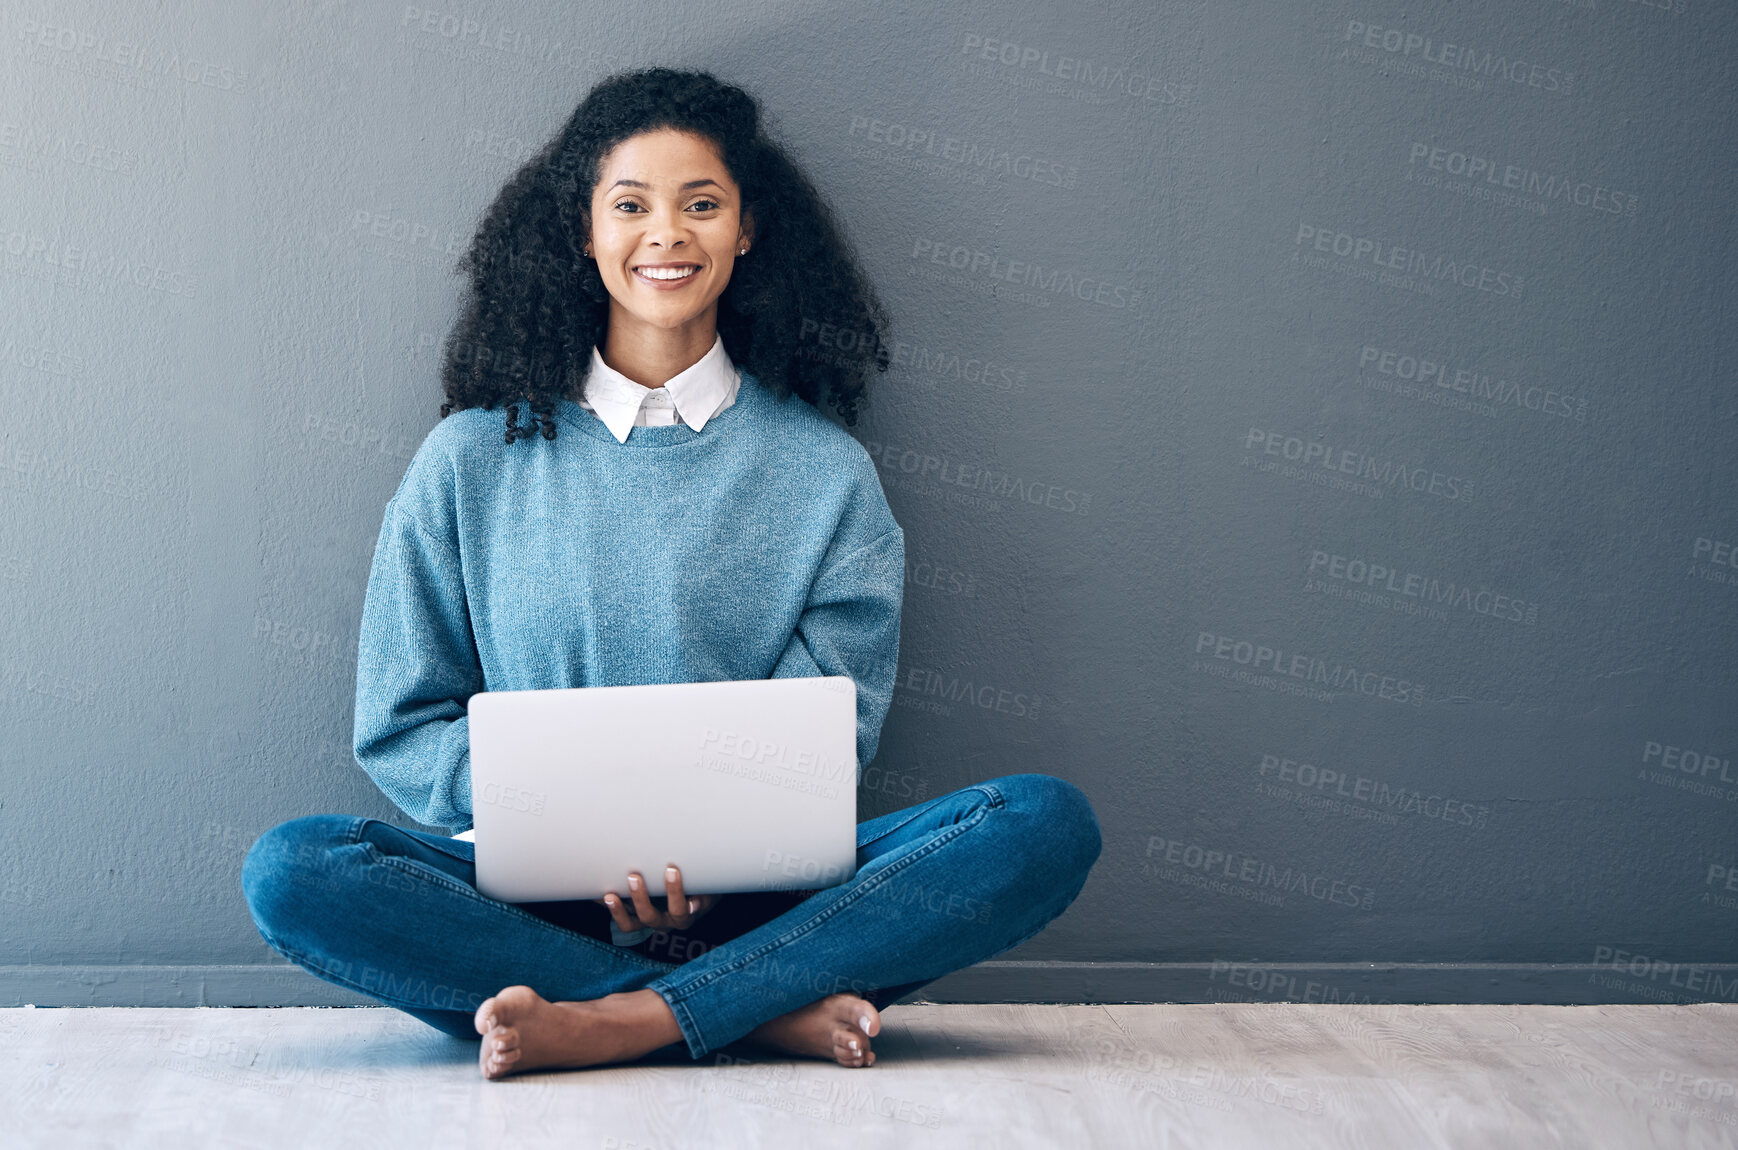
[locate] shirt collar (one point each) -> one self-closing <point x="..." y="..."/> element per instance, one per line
<point x="697" y="391"/>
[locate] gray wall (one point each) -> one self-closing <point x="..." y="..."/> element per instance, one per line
<point x="1312" y="430"/>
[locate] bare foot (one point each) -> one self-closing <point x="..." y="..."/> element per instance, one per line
<point x="524" y="1031"/>
<point x="838" y="1026"/>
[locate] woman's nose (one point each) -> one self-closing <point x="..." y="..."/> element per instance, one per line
<point x="667" y="231"/>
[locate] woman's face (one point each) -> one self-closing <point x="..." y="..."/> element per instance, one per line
<point x="666" y="224"/>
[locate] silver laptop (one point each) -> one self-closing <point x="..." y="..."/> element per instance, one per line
<point x="745" y="785"/>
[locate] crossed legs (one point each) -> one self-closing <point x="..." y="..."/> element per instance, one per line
<point x="941" y="885"/>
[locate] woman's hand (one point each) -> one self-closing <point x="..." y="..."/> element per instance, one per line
<point x="678" y="913"/>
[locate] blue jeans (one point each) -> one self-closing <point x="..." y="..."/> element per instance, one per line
<point x="395" y="914"/>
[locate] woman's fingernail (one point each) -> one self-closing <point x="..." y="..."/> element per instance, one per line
<point x="634" y="881"/>
<point x="693" y="905"/>
<point x="670" y="874"/>
<point x="863" y="1022"/>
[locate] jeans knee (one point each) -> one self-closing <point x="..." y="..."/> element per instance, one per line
<point x="276" y="874"/>
<point x="1069" y="825"/>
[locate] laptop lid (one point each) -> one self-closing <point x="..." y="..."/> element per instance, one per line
<point x="744" y="784"/>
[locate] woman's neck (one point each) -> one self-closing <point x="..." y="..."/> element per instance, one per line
<point x="651" y="356"/>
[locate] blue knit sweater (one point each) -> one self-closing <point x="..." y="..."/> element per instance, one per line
<point x="759" y="547"/>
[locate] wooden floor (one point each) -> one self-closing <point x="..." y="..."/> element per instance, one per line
<point x="1224" y="1075"/>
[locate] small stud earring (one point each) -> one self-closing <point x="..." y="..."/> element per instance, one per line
<point x="741" y="251"/>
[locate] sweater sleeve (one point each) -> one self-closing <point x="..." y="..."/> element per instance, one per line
<point x="850" y="626"/>
<point x="416" y="668"/>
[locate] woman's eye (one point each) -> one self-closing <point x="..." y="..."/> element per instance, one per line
<point x="704" y="205"/>
<point x="628" y="204"/>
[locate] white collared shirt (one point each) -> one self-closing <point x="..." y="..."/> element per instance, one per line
<point x="692" y="396"/>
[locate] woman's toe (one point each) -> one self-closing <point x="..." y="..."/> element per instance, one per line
<point x="485" y="1017"/>
<point x="849" y="1048"/>
<point x="500" y="1051"/>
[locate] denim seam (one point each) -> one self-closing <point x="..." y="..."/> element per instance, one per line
<point x="685" y="1022"/>
<point x="996" y="800"/>
<point x="683" y="991"/>
<point x="429" y="874"/>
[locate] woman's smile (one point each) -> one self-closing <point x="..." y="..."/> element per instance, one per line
<point x="665" y="276"/>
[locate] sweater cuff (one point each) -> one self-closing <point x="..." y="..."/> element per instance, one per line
<point x="621" y="938"/>
<point x="461" y="788"/>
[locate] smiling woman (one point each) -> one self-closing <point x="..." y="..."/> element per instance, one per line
<point x="664" y="250"/>
<point x="659" y="218"/>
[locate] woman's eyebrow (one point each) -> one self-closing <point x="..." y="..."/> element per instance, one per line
<point x="685" y="187"/>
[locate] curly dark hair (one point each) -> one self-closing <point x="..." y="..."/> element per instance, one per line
<point x="535" y="305"/>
